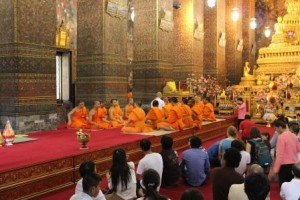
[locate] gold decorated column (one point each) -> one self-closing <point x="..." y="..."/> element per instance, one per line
<point x="188" y="39"/>
<point x="234" y="38"/>
<point x="153" y="47"/>
<point x="214" y="41"/>
<point x="102" y="50"/>
<point x="27" y="64"/>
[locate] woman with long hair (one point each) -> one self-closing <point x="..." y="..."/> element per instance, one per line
<point x="121" y="177"/>
<point x="150" y="182"/>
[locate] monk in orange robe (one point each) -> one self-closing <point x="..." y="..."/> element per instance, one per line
<point x="168" y="106"/>
<point x="186" y="114"/>
<point x="97" y="116"/>
<point x="197" y="113"/>
<point x="115" y="114"/>
<point x="136" y="121"/>
<point x="208" y="111"/>
<point x="128" y="109"/>
<point x="155" y="115"/>
<point x="174" y="120"/>
<point x="78" y="116"/>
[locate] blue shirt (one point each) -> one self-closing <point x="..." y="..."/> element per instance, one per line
<point x="196" y="162"/>
<point x="225" y="144"/>
<point x="213" y="150"/>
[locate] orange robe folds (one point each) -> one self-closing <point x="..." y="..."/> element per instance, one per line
<point x="97" y="118"/>
<point x="167" y="108"/>
<point x="128" y="110"/>
<point x="117" y="114"/>
<point x="79" y="119"/>
<point x="197" y="115"/>
<point x="137" y="122"/>
<point x="155" y="115"/>
<point x="208" y="112"/>
<point x="187" y="116"/>
<point x="174" y="120"/>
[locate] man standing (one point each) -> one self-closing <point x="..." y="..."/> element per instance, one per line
<point x="287" y="144"/>
<point x="245" y="127"/>
<point x="194" y="165"/>
<point x="242" y="109"/>
<point x="161" y="103"/>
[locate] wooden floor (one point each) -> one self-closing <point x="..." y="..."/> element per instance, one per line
<point x="33" y="181"/>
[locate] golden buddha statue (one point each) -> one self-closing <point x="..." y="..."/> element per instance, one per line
<point x="247" y="70"/>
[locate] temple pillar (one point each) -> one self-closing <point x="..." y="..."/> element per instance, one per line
<point x="214" y="54"/>
<point x="153" y="47"/>
<point x="249" y="46"/>
<point x="234" y="36"/>
<point x="27" y="64"/>
<point x="188" y="39"/>
<point x="102" y="53"/>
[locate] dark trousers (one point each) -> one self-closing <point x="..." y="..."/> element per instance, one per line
<point x="238" y="123"/>
<point x="285" y="174"/>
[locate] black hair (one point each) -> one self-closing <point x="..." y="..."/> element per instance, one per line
<point x="238" y="144"/>
<point x="166" y="142"/>
<point x="257" y="187"/>
<point x="254" y="133"/>
<point x="155" y="103"/>
<point x="185" y="100"/>
<point x="232" y="157"/>
<point x="145" y="144"/>
<point x="119" y="171"/>
<point x="294" y="127"/>
<point x="192" y="194"/>
<point x="195" y="142"/>
<point x="280" y="123"/>
<point x="191" y="102"/>
<point x="298" y="114"/>
<point x="89" y="181"/>
<point x="86" y="168"/>
<point x="174" y="100"/>
<point x="296" y="169"/>
<point x="247" y="117"/>
<point x="240" y="99"/>
<point x="151" y="181"/>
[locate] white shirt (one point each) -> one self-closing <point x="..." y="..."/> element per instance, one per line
<point x="246" y="159"/>
<point x="291" y="190"/>
<point x="161" y="103"/>
<point x="130" y="192"/>
<point x="79" y="190"/>
<point x="81" y="196"/>
<point x="151" y="161"/>
<point x="237" y="192"/>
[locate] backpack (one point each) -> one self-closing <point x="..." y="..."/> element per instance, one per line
<point x="262" y="153"/>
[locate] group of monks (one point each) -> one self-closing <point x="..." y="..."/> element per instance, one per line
<point x="173" y="115"/>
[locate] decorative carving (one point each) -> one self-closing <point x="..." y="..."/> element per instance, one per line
<point x="117" y="8"/>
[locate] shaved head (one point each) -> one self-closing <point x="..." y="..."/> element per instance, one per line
<point x="159" y="94"/>
<point x="255" y="169"/>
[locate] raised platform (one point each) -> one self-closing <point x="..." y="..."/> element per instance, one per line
<point x="51" y="163"/>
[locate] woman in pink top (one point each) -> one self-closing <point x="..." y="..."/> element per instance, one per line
<point x="241" y="106"/>
<point x="286" y="152"/>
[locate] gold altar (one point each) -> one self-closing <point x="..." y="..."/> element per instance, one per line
<point x="277" y="77"/>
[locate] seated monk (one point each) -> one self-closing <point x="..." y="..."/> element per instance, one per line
<point x="78" y="117"/>
<point x="196" y="113"/>
<point x="168" y="106"/>
<point x="136" y="121"/>
<point x="155" y="115"/>
<point x="186" y="114"/>
<point x="208" y="111"/>
<point x="115" y="114"/>
<point x="174" y="120"/>
<point x="128" y="109"/>
<point x="97" y="116"/>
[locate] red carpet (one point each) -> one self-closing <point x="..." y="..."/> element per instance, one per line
<point x="173" y="193"/>
<point x="48" y="147"/>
